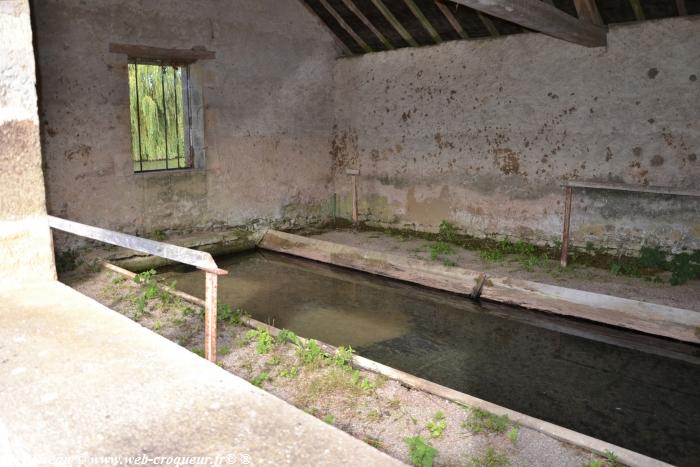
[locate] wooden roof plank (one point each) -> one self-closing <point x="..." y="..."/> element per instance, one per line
<point x="423" y="21"/>
<point x="488" y="24"/>
<point x="345" y="26"/>
<point x="352" y="7"/>
<point x="542" y="17"/>
<point x="638" y="10"/>
<point x="451" y="19"/>
<point x="396" y="24"/>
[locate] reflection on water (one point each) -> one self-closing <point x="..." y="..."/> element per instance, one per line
<point x="636" y="391"/>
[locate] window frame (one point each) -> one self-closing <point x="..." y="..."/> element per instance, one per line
<point x="191" y="162"/>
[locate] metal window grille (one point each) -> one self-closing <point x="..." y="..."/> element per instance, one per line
<point x="159" y="98"/>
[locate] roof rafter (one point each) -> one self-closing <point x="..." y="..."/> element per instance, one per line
<point x="352" y="7"/>
<point x="638" y="10"/>
<point x="451" y="19"/>
<point x="542" y="17"/>
<point x="345" y="26"/>
<point x="395" y="23"/>
<point x="423" y="21"/>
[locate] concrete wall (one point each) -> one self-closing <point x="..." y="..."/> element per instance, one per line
<point x="482" y="133"/>
<point x="25" y="242"/>
<point x="267" y="113"/>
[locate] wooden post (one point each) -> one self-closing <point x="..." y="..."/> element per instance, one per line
<point x="355" y="215"/>
<point x="567" y="222"/>
<point x="211" y="285"/>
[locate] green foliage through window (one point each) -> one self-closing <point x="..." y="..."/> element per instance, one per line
<point x="157" y="103"/>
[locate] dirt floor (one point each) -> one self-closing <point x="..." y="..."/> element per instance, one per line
<point x="381" y="412"/>
<point x="547" y="271"/>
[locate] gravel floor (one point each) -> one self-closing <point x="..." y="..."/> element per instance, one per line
<point x="383" y="413"/>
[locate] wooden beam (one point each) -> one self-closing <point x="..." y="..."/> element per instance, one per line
<point x="680" y="6"/>
<point x="345" y="26"/>
<point x="352" y="7"/>
<point x="661" y="190"/>
<point x="183" y="56"/>
<point x="395" y="23"/>
<point x="542" y="17"/>
<point x="488" y="24"/>
<point x="646" y="317"/>
<point x="427" y="25"/>
<point x="588" y="10"/>
<point x="196" y="258"/>
<point x="341" y="45"/>
<point x="452" y="19"/>
<point x="637" y="8"/>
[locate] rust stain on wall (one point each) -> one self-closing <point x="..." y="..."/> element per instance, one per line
<point x="507" y="161"/>
<point x="343" y="150"/>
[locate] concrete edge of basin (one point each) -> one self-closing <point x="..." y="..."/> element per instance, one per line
<point x="624" y="456"/>
<point x="650" y="318"/>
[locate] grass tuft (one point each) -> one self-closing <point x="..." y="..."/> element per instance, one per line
<point x="481" y="421"/>
<point x="491" y="458"/>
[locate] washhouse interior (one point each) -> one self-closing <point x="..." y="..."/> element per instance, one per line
<point x="350" y="232"/>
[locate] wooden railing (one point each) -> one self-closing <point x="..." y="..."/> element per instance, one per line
<point x="569" y="193"/>
<point x="199" y="259"/>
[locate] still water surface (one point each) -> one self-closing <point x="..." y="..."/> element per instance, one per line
<point x="635" y="391"/>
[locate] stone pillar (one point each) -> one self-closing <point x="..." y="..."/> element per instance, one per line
<point x="26" y="252"/>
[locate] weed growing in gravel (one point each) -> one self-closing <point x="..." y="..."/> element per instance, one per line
<point x="274" y="360"/>
<point x="226" y="314"/>
<point x="420" y="452"/>
<point x="118" y="279"/>
<point x="439" y="248"/>
<point x="491" y="458"/>
<point x="362" y="383"/>
<point x="513" y="434"/>
<point x="491" y="256"/>
<point x="611" y="459"/>
<point x="292" y="372"/>
<point x="145" y="277"/>
<point x="311" y="353"/>
<point x="330" y="419"/>
<point x="263" y="340"/>
<point x="285" y="335"/>
<point x="259" y="379"/>
<point x="480" y="421"/>
<point x="437" y="425"/>
<point x="343" y="356"/>
<point x="224" y="350"/>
